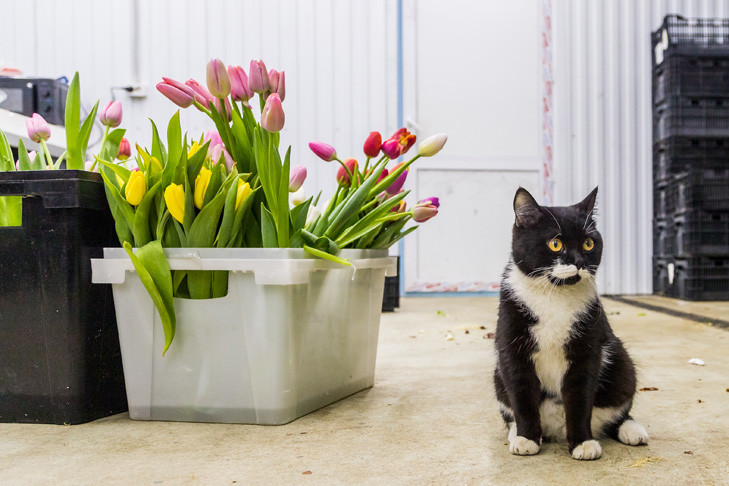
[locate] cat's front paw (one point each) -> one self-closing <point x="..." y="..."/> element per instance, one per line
<point x="587" y="451"/>
<point x="521" y="446"/>
<point x="632" y="433"/>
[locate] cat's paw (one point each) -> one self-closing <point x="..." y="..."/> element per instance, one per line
<point x="587" y="451"/>
<point x="521" y="446"/>
<point x="632" y="433"/>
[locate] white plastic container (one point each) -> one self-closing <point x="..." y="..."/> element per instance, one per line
<point x="294" y="334"/>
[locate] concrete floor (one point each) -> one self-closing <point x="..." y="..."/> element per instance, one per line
<point x="430" y="418"/>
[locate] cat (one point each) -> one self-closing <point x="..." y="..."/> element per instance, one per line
<point x="560" y="371"/>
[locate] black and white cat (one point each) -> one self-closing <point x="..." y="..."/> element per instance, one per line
<point x="560" y="371"/>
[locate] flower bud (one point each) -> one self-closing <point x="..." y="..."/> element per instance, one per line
<point x="239" y="89"/>
<point x="176" y="92"/>
<point x="432" y="145"/>
<point x="312" y="215"/>
<point x="399" y="207"/>
<point x="296" y="178"/>
<point x="217" y="78"/>
<point x="425" y="209"/>
<point x="323" y="151"/>
<point x="396" y="186"/>
<point x="125" y="150"/>
<point x="111" y="114"/>
<point x="343" y="175"/>
<point x="278" y="83"/>
<point x="38" y="128"/>
<point x="136" y="188"/>
<point x="372" y="144"/>
<point x="391" y="148"/>
<point x="201" y="185"/>
<point x="175" y="200"/>
<point x="298" y="197"/>
<point x="202" y="95"/>
<point x="258" y="81"/>
<point x="273" y="117"/>
<point x="244" y="190"/>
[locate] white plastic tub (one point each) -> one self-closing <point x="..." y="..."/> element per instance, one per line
<point x="294" y="334"/>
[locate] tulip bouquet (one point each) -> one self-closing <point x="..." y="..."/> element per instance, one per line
<point x="231" y="188"/>
<point x="78" y="132"/>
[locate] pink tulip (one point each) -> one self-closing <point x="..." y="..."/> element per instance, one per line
<point x="372" y="144"/>
<point x="272" y="117"/>
<point x="38" y="128"/>
<point x="278" y="82"/>
<point x="31" y="156"/>
<point x="219" y="150"/>
<point x="258" y="80"/>
<point x="323" y="151"/>
<point x="343" y="175"/>
<point x="217" y="78"/>
<point x="125" y="150"/>
<point x="202" y="95"/>
<point x="384" y="174"/>
<point x="297" y="177"/>
<point x="176" y="92"/>
<point x="214" y="138"/>
<point x="111" y="115"/>
<point x="228" y="108"/>
<point x="239" y="89"/>
<point x="89" y="164"/>
<point x="395" y="187"/>
<point x="398" y="144"/>
<point x="391" y="148"/>
<point x="425" y="209"/>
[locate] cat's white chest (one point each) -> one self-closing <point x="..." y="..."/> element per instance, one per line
<point x="556" y="309"/>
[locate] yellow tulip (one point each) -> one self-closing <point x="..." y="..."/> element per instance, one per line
<point x="194" y="148"/>
<point x="136" y="188"/>
<point x="201" y="185"/>
<point x="154" y="165"/>
<point x="244" y="189"/>
<point x="175" y="199"/>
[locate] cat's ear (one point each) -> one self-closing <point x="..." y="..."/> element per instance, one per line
<point x="526" y="208"/>
<point x="587" y="205"/>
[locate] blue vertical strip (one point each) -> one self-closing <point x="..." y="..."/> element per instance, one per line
<point x="400" y="123"/>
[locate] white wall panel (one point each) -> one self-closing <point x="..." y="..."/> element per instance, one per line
<point x="340" y="59"/>
<point x="602" y="122"/>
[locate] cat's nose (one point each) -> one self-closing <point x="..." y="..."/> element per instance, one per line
<point x="579" y="262"/>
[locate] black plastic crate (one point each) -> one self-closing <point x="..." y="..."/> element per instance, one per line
<point x="701" y="278"/>
<point x="691" y="76"/>
<point x="700" y="232"/>
<point x="699" y="189"/>
<point x="679" y="36"/>
<point x="675" y="155"/>
<point x="60" y="360"/>
<point x="691" y="117"/>
<point x="664" y="238"/>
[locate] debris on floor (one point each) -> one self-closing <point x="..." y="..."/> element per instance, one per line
<point x="649" y="388"/>
<point x="449" y="336"/>
<point x="645" y="461"/>
<point x="696" y="361"/>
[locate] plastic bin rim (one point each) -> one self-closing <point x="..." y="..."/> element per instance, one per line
<point x="270" y="265"/>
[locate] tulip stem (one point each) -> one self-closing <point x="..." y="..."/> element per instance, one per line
<point x="201" y="107"/>
<point x="49" y="160"/>
<point x="103" y="141"/>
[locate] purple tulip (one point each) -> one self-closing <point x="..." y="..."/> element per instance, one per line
<point x="258" y="80"/>
<point x="391" y="148"/>
<point x="425" y="209"/>
<point x="396" y="186"/>
<point x="38" y="128"/>
<point x="111" y="115"/>
<point x="297" y="177"/>
<point x="217" y="78"/>
<point x="372" y="144"/>
<point x="278" y="82"/>
<point x="273" y="117"/>
<point x="239" y="89"/>
<point x="176" y="92"/>
<point x="323" y="151"/>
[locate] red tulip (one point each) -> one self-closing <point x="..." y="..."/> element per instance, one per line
<point x="343" y="175"/>
<point x="372" y="144"/>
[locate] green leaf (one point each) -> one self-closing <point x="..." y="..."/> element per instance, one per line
<point x="174" y="139"/>
<point x="119" y="170"/>
<point x="373" y="216"/>
<point x="195" y="162"/>
<point x="73" y="115"/>
<point x="110" y="149"/>
<point x="298" y="215"/>
<point x="6" y="154"/>
<point x="141" y="229"/>
<point x="79" y="159"/>
<point x="125" y="209"/>
<point x="200" y="284"/>
<point x="11" y="210"/>
<point x="326" y="256"/>
<point x="203" y="230"/>
<point x="282" y="203"/>
<point x="384" y="237"/>
<point x="158" y="150"/>
<point x="399" y="236"/>
<point x="24" y="162"/>
<point x="220" y="283"/>
<point x="268" y="228"/>
<point x="123" y="229"/>
<point x="151" y="265"/>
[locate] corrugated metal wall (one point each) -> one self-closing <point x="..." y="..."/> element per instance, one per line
<point x="602" y="122"/>
<point x="340" y="59"/>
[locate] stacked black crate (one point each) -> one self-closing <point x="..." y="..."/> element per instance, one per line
<point x="691" y="158"/>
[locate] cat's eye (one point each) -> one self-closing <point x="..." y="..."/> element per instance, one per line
<point x="555" y="244"/>
<point x="588" y="244"/>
